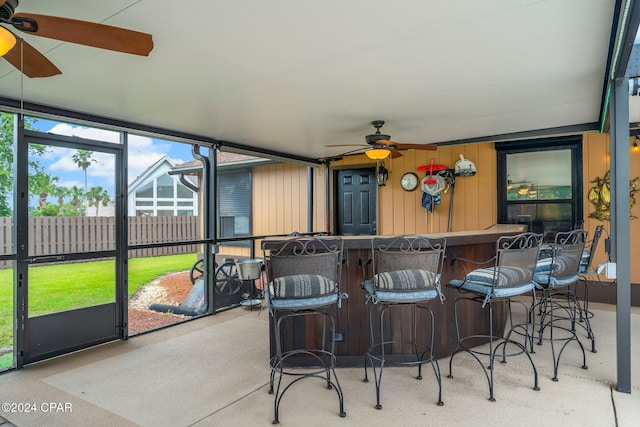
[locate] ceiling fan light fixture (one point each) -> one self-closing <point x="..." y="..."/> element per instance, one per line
<point x="7" y="41"/>
<point x="378" y="153"/>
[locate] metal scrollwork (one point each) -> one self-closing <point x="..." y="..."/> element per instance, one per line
<point x="600" y="196"/>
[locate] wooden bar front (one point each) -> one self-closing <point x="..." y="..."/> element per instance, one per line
<point x="352" y="319"/>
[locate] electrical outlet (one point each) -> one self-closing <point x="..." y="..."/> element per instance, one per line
<point x="609" y="269"/>
<point x="338" y="337"/>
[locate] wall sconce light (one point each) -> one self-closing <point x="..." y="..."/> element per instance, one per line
<point x="635" y="147"/>
<point x="377" y="153"/>
<point x="382" y="174"/>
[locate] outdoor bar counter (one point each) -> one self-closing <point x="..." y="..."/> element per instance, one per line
<point x="352" y="320"/>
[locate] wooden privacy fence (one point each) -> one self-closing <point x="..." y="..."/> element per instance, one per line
<point x="60" y="235"/>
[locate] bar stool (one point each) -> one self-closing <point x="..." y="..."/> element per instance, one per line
<point x="584" y="271"/>
<point x="558" y="307"/>
<point x="406" y="275"/>
<point x="510" y="274"/>
<point x="303" y="277"/>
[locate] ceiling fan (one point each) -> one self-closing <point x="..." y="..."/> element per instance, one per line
<point x="32" y="63"/>
<point x="380" y="145"/>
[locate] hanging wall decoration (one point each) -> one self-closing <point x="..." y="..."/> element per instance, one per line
<point x="600" y="196"/>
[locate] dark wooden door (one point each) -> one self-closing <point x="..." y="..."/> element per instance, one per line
<point x="356" y="202"/>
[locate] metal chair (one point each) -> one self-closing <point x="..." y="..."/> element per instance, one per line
<point x="508" y="274"/>
<point x="406" y="276"/>
<point x="584" y="271"/>
<point x="558" y="307"/>
<point x="303" y="282"/>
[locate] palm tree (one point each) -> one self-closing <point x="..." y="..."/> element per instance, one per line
<point x="83" y="159"/>
<point x="77" y="195"/>
<point x="97" y="196"/>
<point x="60" y="193"/>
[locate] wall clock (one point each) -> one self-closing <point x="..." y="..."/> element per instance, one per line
<point x="409" y="181"/>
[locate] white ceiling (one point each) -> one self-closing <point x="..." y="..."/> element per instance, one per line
<point x="293" y="76"/>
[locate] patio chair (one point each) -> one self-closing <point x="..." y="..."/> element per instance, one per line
<point x="558" y="307"/>
<point x="507" y="275"/>
<point x="303" y="284"/>
<point x="584" y="271"/>
<point x="406" y="276"/>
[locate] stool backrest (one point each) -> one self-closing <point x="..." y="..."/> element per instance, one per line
<point x="515" y="260"/>
<point x="567" y="254"/>
<point x="408" y="252"/>
<point x="586" y="264"/>
<point x="305" y="255"/>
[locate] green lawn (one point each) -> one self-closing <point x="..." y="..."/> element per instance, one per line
<point x="66" y="286"/>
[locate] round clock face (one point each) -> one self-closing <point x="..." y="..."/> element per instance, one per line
<point x="409" y="181"/>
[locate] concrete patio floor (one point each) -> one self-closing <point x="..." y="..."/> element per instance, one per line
<point x="213" y="372"/>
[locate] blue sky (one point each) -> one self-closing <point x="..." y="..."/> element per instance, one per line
<point x="143" y="152"/>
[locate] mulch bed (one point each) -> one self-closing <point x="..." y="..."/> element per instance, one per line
<point x="175" y="288"/>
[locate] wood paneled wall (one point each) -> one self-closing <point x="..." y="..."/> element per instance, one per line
<point x="596" y="162"/>
<point x="474" y="197"/>
<point x="280" y="194"/>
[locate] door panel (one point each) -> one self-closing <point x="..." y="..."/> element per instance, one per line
<point x="70" y="266"/>
<point x="356" y="202"/>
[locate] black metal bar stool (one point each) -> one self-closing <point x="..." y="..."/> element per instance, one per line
<point x="558" y="308"/>
<point x="406" y="276"/>
<point x="584" y="272"/>
<point x="303" y="276"/>
<point x="508" y="274"/>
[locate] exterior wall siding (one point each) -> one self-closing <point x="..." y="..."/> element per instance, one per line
<point x="280" y="194"/>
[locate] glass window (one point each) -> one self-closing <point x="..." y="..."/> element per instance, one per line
<point x="539" y="175"/>
<point x="146" y="190"/>
<point x="540" y="184"/>
<point x="184" y="192"/>
<point x="234" y="201"/>
<point x="165" y="186"/>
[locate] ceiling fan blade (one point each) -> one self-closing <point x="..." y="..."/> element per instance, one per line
<point x="427" y="147"/>
<point x="351" y="151"/>
<point x="398" y="145"/>
<point x="394" y="153"/>
<point x="30" y="61"/>
<point x="347" y="145"/>
<point x="84" y="33"/>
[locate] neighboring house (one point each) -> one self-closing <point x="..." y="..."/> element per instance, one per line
<point x="235" y="187"/>
<point x="108" y="210"/>
<point x="157" y="193"/>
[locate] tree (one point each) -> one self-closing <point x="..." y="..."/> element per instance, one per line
<point x="83" y="159"/>
<point x="60" y="193"/>
<point x="76" y="200"/>
<point x="37" y="174"/>
<point x="97" y="196"/>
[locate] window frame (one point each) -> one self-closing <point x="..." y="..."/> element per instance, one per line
<point x="572" y="143"/>
<point x="248" y="173"/>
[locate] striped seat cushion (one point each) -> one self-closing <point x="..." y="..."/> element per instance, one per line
<point x="584" y="261"/>
<point x="301" y="286"/>
<point x="404" y="280"/>
<point x="403" y="286"/>
<point x="543" y="266"/>
<point x="510" y="282"/>
<point x="508" y="276"/>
